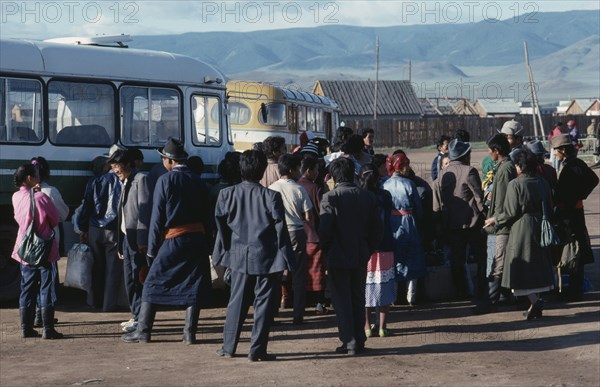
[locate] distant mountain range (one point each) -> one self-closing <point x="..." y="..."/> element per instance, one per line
<point x="564" y="50"/>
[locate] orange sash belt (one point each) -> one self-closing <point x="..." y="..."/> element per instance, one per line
<point x="402" y="212"/>
<point x="175" y="232"/>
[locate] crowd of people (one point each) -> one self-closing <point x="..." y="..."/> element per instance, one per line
<point x="336" y="226"/>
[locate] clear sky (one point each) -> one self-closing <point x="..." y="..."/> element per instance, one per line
<point x="51" y="19"/>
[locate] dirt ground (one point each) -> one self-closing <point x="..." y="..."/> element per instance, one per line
<point x="431" y="344"/>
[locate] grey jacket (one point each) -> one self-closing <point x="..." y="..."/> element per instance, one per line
<point x="350" y="226"/>
<point x="136" y="206"/>
<point x="459" y="198"/>
<point x="252" y="235"/>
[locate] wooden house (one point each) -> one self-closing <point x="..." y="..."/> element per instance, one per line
<point x="444" y="106"/>
<point x="497" y="107"/>
<point x="464" y="107"/>
<point x="594" y="108"/>
<point x="396" y="99"/>
<point x="579" y="106"/>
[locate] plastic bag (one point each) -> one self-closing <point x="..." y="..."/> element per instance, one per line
<point x="74" y="219"/>
<point x="79" y="267"/>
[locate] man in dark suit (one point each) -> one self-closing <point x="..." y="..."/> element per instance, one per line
<point x="253" y="242"/>
<point x="350" y="229"/>
<point x="133" y="220"/>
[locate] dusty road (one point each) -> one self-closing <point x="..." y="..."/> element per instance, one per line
<point x="431" y="344"/>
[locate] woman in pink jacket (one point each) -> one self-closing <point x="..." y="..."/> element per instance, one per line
<point x="41" y="278"/>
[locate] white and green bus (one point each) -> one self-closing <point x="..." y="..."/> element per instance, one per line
<point x="70" y="100"/>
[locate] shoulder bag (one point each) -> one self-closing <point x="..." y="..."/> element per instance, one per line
<point x="34" y="250"/>
<point x="549" y="237"/>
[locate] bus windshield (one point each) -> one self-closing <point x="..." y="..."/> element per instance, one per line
<point x="206" y="123"/>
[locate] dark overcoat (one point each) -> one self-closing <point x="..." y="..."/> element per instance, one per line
<point x="180" y="272"/>
<point x="526" y="264"/>
<point x="350" y="228"/>
<point x="576" y="182"/>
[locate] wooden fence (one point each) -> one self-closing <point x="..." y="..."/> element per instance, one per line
<point x="392" y="133"/>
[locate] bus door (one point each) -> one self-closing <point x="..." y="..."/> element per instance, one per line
<point x="207" y="127"/>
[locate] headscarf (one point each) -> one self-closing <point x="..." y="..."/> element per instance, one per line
<point x="395" y="163"/>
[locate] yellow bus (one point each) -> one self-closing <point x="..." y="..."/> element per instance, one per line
<point x="258" y="110"/>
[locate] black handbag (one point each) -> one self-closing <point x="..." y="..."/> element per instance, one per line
<point x="549" y="237"/>
<point x="35" y="250"/>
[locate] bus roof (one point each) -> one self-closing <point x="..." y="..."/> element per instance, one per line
<point x="48" y="59"/>
<point x="260" y="90"/>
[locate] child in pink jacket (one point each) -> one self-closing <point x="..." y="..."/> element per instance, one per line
<point x="41" y="278"/>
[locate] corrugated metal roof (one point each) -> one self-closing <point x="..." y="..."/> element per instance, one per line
<point x="355" y="98"/>
<point x="498" y="105"/>
<point x="585" y="103"/>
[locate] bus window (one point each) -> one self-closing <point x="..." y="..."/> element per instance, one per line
<point x="327" y="125"/>
<point x="81" y="113"/>
<point x="275" y="114"/>
<point x="206" y="126"/>
<point x="321" y="124"/>
<point x="311" y="119"/>
<point x="301" y="118"/>
<point x="20" y="110"/>
<point x="292" y="118"/>
<point x="149" y="116"/>
<point x="239" y="113"/>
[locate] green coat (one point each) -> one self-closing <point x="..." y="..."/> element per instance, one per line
<point x="526" y="265"/>
<point x="505" y="172"/>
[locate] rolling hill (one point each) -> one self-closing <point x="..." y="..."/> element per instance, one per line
<point x="563" y="46"/>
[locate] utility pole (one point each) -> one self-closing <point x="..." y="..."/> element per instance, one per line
<point x="376" y="82"/>
<point x="534" y="101"/>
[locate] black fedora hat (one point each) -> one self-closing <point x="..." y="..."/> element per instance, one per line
<point x="173" y="150"/>
<point x="457" y="149"/>
<point x="537" y="148"/>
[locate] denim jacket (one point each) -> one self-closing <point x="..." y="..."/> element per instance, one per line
<point x="100" y="203"/>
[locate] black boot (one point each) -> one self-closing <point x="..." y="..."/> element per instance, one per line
<point x="27" y="315"/>
<point x="495" y="285"/>
<point x="48" y="319"/>
<point x="145" y="323"/>
<point x="191" y="324"/>
<point x="37" y="323"/>
<point x="489" y="297"/>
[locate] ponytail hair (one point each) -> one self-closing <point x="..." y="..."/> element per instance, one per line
<point x="369" y="177"/>
<point x="22" y="172"/>
<point x="42" y="166"/>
